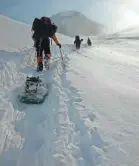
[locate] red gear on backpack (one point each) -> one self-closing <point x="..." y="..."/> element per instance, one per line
<point x="46" y="19"/>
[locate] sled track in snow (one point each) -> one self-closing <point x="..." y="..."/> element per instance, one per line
<point x="86" y="141"/>
<point x="68" y="135"/>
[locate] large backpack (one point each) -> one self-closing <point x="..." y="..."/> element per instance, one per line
<point x="42" y="30"/>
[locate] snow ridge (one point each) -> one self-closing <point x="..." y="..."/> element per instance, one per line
<point x="10" y="79"/>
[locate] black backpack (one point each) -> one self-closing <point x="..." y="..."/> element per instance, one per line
<point x="42" y="30"/>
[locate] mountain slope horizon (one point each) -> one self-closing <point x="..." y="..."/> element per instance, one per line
<point x="66" y="20"/>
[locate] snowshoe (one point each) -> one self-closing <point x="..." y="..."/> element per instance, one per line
<point x="34" y="92"/>
<point x="40" y="67"/>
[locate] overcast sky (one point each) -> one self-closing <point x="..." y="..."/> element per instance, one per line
<point x="114" y="13"/>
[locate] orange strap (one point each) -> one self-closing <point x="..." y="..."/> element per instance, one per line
<point x="55" y="39"/>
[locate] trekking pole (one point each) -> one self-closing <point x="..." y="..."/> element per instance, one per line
<point x="51" y="42"/>
<point x="62" y="57"/>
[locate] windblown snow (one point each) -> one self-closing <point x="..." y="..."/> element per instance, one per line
<point x="90" y="117"/>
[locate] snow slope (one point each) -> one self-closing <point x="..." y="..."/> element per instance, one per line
<point x="90" y="117"/>
<point x="72" y="23"/>
<point x="16" y="35"/>
<point x="133" y="31"/>
<point x="128" y="33"/>
<point x="10" y="34"/>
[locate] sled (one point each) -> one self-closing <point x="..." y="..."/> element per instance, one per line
<point x="35" y="91"/>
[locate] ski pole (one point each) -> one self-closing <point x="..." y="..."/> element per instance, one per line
<point x="51" y="42"/>
<point x="61" y="53"/>
<point x="62" y="57"/>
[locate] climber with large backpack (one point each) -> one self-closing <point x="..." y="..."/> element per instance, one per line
<point x="43" y="29"/>
<point x="77" y="42"/>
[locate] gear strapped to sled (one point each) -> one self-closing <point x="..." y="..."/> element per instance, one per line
<point x="32" y="84"/>
<point x="34" y="92"/>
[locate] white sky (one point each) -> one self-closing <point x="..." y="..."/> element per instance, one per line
<point x="121" y="13"/>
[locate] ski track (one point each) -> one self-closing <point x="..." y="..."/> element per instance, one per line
<point x="77" y="118"/>
<point x="115" y="82"/>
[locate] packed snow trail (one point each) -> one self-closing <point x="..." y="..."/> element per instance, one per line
<point x="90" y="117"/>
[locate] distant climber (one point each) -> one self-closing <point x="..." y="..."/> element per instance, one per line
<point x="89" y="42"/>
<point x="43" y="29"/>
<point x="77" y="42"/>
